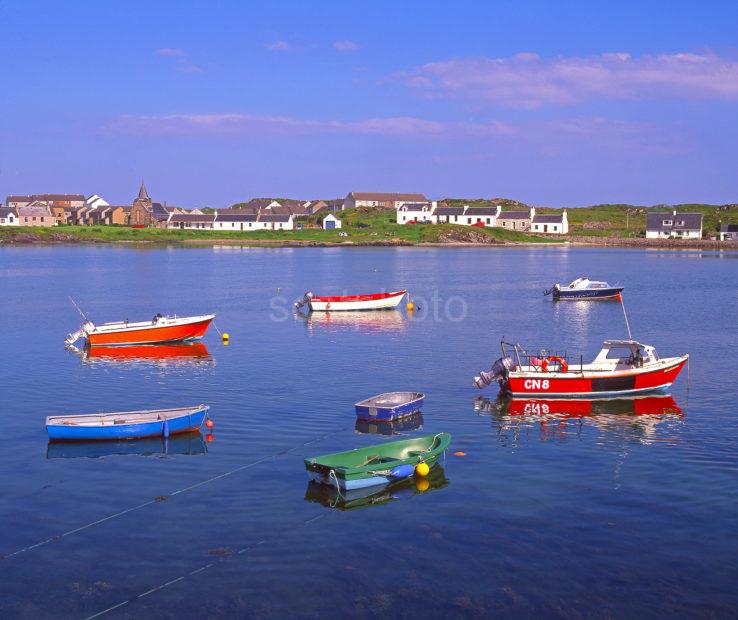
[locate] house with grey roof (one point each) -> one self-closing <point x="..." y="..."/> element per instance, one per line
<point x="417" y="212"/>
<point x="729" y="232"/>
<point x="674" y="225"/>
<point x="449" y="215"/>
<point x="275" y="221"/>
<point x="235" y="219"/>
<point x="191" y="221"/>
<point x="381" y="200"/>
<point x="516" y="220"/>
<point x="550" y="223"/>
<point x="8" y="217"/>
<point x="35" y="214"/>
<point x="481" y="216"/>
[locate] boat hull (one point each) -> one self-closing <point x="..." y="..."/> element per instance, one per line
<point x="153" y="334"/>
<point x="585" y="294"/>
<point x="372" y="409"/>
<point x="573" y="384"/>
<point x="374" y="465"/>
<point x="191" y="421"/>
<point x="377" y="301"/>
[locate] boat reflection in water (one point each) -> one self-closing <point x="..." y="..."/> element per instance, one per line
<point x="188" y="444"/>
<point x="411" y="422"/>
<point x="635" y="418"/>
<point x="373" y="496"/>
<point x="162" y="354"/>
<point x="367" y="321"/>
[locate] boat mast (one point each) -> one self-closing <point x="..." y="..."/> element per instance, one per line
<point x="82" y="314"/>
<point x="625" y="314"/>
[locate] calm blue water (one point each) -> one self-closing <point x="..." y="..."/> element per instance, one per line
<point x="606" y="515"/>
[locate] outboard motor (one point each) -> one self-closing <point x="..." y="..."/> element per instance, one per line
<point x="499" y="371"/>
<point x="306" y="298"/>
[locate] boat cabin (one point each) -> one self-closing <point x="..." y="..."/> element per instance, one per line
<point x="622" y="354"/>
<point x="586" y="283"/>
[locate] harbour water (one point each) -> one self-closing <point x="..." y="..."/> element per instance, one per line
<point x="612" y="512"/>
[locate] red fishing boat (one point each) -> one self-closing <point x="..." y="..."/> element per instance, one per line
<point x="373" y="301"/>
<point x="621" y="367"/>
<point x="159" y="329"/>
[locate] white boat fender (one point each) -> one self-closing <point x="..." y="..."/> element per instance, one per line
<point x="165" y="429"/>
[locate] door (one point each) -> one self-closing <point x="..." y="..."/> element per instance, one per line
<point x="330" y="225"/>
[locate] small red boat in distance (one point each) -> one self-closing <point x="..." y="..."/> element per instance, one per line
<point x="621" y="367"/>
<point x="374" y="301"/>
<point x="159" y="330"/>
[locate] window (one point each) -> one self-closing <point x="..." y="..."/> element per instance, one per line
<point x="666" y="222"/>
<point x="489" y="221"/>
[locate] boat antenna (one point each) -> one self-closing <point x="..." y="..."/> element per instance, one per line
<point x="82" y="314"/>
<point x="625" y="314"/>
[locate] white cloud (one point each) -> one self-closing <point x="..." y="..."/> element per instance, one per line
<point x="551" y="136"/>
<point x="345" y="46"/>
<point x="171" y="51"/>
<point x="529" y="81"/>
<point x="279" y="46"/>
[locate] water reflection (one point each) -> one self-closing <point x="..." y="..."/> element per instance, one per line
<point x="365" y="321"/>
<point x="160" y="354"/>
<point x="407" y="423"/>
<point x="633" y="419"/>
<point x="183" y="444"/>
<point x="373" y="496"/>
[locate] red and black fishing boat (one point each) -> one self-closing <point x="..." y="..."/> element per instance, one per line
<point x="621" y="367"/>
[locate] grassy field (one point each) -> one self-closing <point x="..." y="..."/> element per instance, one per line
<point x="362" y="226"/>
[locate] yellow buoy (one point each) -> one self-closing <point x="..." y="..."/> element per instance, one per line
<point x="410" y="306"/>
<point x="422" y="469"/>
<point x="225" y="337"/>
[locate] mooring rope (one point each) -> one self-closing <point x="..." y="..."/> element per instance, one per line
<point x="240" y="468"/>
<point x="205" y="567"/>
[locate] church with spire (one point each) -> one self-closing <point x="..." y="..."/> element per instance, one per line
<point x="146" y="213"/>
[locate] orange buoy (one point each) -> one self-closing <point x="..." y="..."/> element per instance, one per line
<point x="208" y="438"/>
<point x="209" y="423"/>
<point x="459" y="453"/>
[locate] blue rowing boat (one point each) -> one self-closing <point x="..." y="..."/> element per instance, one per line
<point x="126" y="424"/>
<point x="584" y="288"/>
<point x="389" y="406"/>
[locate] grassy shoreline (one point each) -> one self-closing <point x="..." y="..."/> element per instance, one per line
<point x="607" y="225"/>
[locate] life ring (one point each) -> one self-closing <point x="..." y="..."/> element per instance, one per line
<point x="563" y="366"/>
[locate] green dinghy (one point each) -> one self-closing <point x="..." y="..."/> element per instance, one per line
<point x="375" y="465"/>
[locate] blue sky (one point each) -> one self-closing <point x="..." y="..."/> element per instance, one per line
<point x="561" y="104"/>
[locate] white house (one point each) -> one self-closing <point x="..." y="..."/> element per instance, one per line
<point x="449" y="215"/>
<point x="380" y="199"/>
<point x="95" y="201"/>
<point x="191" y="221"/>
<point x="276" y="222"/>
<point x="331" y="222"/>
<point x="664" y="225"/>
<point x="552" y="224"/>
<point x="476" y="216"/>
<point x="8" y="217"/>
<point x="728" y="232"/>
<point x="417" y="212"/>
<point x="235" y="221"/>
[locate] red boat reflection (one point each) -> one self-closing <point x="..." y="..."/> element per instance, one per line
<point x="644" y="405"/>
<point x="174" y="353"/>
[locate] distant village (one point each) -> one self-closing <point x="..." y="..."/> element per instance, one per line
<point x="267" y="214"/>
